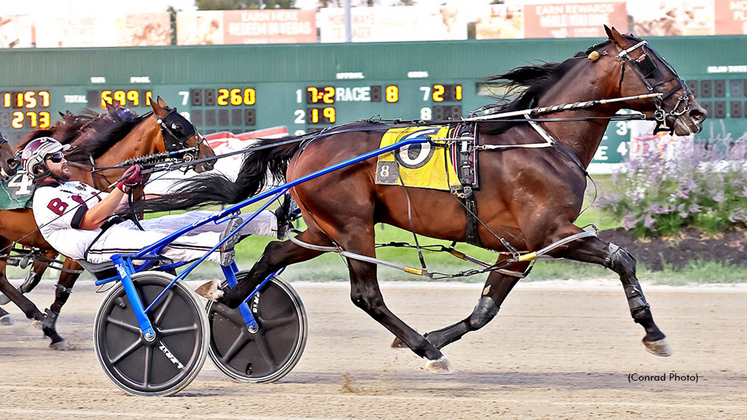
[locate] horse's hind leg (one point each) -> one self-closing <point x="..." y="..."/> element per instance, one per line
<point x="497" y="287"/>
<point x="63" y="289"/>
<point x="275" y="256"/>
<point x="596" y="251"/>
<point x="366" y="294"/>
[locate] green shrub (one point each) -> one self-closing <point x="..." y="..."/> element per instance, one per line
<point x="701" y="186"/>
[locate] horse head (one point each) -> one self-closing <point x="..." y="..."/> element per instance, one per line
<point x="180" y="135"/>
<point x="8" y="159"/>
<point x="642" y="70"/>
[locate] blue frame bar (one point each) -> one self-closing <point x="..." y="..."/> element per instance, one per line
<point x="125" y="270"/>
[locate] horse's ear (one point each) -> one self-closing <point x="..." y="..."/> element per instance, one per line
<point x="157" y="106"/>
<point x="608" y="31"/>
<point x="615" y="36"/>
<point x="161" y="102"/>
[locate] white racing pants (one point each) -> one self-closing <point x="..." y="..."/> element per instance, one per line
<point x="126" y="238"/>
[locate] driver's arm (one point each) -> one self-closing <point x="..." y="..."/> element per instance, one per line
<point x="98" y="214"/>
<point x="116" y="200"/>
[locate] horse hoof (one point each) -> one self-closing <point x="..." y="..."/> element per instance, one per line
<point x="659" y="347"/>
<point x="60" y="345"/>
<point x="440" y="366"/>
<point x="210" y="290"/>
<point x="398" y="344"/>
<point x="7" y="320"/>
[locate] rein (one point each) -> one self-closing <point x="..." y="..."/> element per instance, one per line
<point x="526" y="114"/>
<point x="563" y="107"/>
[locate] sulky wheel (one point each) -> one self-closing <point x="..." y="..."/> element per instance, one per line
<point x="171" y="361"/>
<point x="269" y="353"/>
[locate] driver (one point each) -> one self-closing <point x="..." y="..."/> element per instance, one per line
<point x="81" y="222"/>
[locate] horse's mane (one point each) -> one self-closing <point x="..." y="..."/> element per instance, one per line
<point x="103" y="131"/>
<point x="64" y="131"/>
<point x="109" y="130"/>
<point x="529" y="84"/>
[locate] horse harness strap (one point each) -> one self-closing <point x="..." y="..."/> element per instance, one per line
<point x="556" y="145"/>
<point x="549" y="142"/>
<point x="465" y="163"/>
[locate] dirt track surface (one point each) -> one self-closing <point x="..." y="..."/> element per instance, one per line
<point x="557" y="350"/>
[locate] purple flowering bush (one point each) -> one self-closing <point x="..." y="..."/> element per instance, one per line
<point x="700" y="185"/>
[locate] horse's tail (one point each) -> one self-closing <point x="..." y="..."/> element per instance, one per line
<point x="267" y="157"/>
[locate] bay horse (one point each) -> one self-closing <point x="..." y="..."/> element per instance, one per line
<point x="528" y="198"/>
<point x="106" y="140"/>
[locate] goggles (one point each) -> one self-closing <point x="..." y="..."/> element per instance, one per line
<point x="56" y="158"/>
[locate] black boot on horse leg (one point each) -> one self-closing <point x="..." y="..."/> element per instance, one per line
<point x="497" y="287"/>
<point x="37" y="271"/>
<point x="49" y="325"/>
<point x="594" y="250"/>
<point x="621" y="262"/>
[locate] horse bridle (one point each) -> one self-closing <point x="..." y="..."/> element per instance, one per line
<point x="643" y="67"/>
<point x="176" y="142"/>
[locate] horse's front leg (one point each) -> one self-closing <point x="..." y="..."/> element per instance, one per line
<point x="595" y="251"/>
<point x="497" y="287"/>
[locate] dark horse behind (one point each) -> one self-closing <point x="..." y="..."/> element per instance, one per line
<point x="101" y="142"/>
<point x="528" y="199"/>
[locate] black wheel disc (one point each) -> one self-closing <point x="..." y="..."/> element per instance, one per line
<point x="269" y="353"/>
<point x="171" y="361"/>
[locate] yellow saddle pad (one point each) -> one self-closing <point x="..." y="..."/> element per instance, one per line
<point x="420" y="165"/>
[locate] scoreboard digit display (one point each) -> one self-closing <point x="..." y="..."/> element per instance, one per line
<point x="313" y="86"/>
<point x="25" y="110"/>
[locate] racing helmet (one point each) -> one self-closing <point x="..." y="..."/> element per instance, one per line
<point x="33" y="155"/>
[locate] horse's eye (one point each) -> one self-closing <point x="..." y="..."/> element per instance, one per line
<point x="646" y="65"/>
<point x="177" y="129"/>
